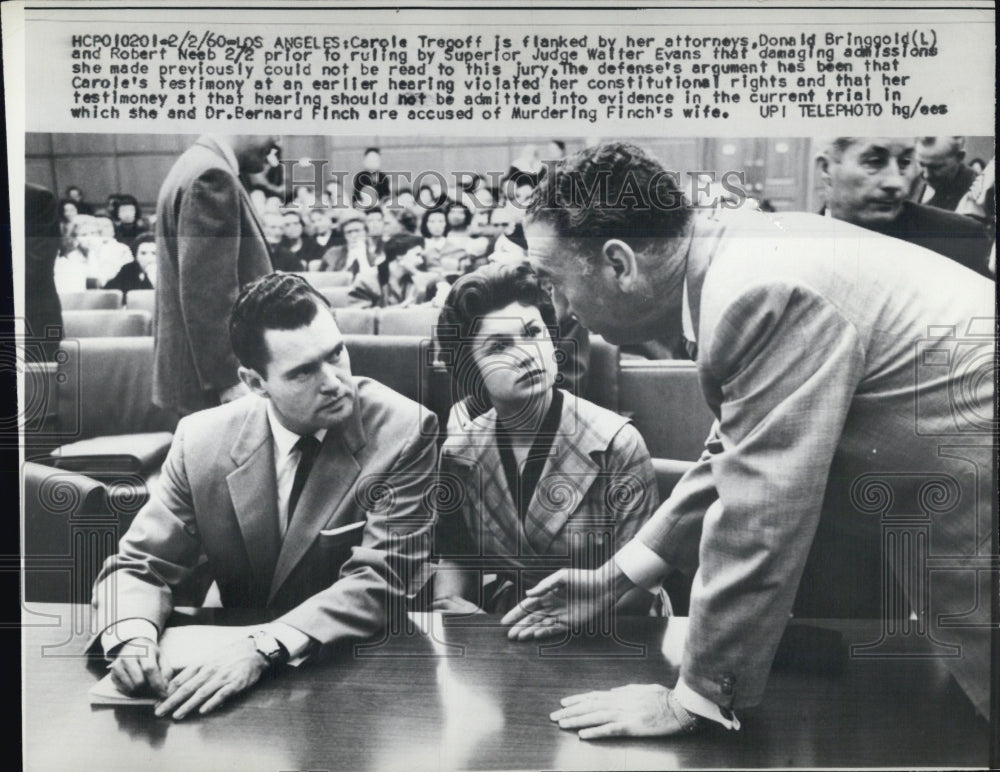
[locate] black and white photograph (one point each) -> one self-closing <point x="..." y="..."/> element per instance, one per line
<point x="542" y="388"/>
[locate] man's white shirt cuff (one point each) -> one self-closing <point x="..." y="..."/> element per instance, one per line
<point x="125" y="631"/>
<point x="296" y="642"/>
<point x="641" y="565"/>
<point x="693" y="702"/>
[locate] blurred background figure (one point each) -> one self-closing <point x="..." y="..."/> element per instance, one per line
<point x="400" y="279"/>
<point x="141" y="272"/>
<point x="947" y="178"/>
<point x="75" y="194"/>
<point x="209" y="243"/>
<point x="371" y="177"/>
<point x="42" y="310"/>
<point x="128" y="219"/>
<point x="293" y="251"/>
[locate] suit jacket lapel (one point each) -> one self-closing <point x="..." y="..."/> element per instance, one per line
<point x="252" y="489"/>
<point x="567" y="476"/>
<point x="478" y="452"/>
<point x="329" y="481"/>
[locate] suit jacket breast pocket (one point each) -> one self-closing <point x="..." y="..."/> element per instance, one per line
<point x="339" y="541"/>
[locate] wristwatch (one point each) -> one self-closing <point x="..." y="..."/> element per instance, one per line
<point x="269" y="648"/>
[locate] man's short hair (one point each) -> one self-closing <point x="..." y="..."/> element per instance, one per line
<point x="835" y="147"/>
<point x="612" y="191"/>
<point x="277" y="301"/>
<point x="955" y="145"/>
<point x="372" y="150"/>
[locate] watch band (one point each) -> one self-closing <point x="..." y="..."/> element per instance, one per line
<point x="269" y="648"/>
<point x="688" y="721"/>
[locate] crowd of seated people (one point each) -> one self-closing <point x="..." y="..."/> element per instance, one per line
<point x="464" y="223"/>
<point x="100" y="243"/>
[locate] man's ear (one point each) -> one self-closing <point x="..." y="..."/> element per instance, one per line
<point x="621" y="258"/>
<point x="823" y="164"/>
<point x="253" y="381"/>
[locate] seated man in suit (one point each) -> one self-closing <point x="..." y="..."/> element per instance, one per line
<point x="866" y="181"/>
<point x="279" y="491"/>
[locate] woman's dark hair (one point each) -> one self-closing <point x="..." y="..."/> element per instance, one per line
<point x="124" y="199"/>
<point x="397" y="246"/>
<point x="464" y="208"/>
<point x="62" y="208"/>
<point x="427" y="216"/>
<point x="142" y="238"/>
<point x="489" y="288"/>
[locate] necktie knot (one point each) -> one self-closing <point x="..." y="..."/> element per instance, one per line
<point x="307" y="445"/>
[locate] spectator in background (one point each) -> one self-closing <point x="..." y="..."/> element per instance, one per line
<point x="459" y="218"/>
<point x="75" y="194"/>
<point x="271" y="179"/>
<point x="443" y="256"/>
<point x="324" y="235"/>
<point x="209" y="243"/>
<point x="942" y="166"/>
<point x="356" y="253"/>
<point x="400" y="280"/>
<point x="72" y="271"/>
<point x="68" y="211"/>
<point x="526" y="168"/>
<point x="865" y="180"/>
<point x="429" y="196"/>
<point x="375" y="223"/>
<point x="293" y="252"/>
<point x="42" y="310"/>
<point x="111" y="254"/>
<point x="977" y="165"/>
<point x="523" y="438"/>
<point x="273" y="224"/>
<point x="128" y="220"/>
<point x="334" y="194"/>
<point x="371" y="177"/>
<point x="403" y="201"/>
<point x="141" y="272"/>
<point x="981" y="202"/>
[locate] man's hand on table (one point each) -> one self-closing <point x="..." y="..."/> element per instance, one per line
<point x="139" y="664"/>
<point x="207" y="684"/>
<point x="636" y="710"/>
<point x="546" y="609"/>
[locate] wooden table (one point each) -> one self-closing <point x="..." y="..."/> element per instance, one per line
<point x="466" y="698"/>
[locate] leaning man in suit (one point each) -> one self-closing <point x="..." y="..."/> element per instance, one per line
<point x="256" y="486"/>
<point x="839" y="364"/>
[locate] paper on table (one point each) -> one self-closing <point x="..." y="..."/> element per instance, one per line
<point x="180" y="646"/>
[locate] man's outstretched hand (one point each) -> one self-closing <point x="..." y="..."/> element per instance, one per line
<point x="636" y="710"/>
<point x="569" y="597"/>
<point x="207" y="684"/>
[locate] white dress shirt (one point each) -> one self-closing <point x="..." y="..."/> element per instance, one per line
<point x="647" y="570"/>
<point x="286" y="461"/>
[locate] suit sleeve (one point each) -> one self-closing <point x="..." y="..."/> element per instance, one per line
<point x="632" y="495"/>
<point x="786" y="365"/>
<point x="158" y="552"/>
<point x="674" y="530"/>
<point x="391" y="561"/>
<point x="208" y="249"/>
